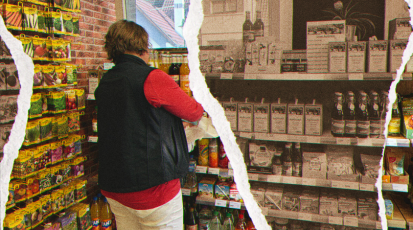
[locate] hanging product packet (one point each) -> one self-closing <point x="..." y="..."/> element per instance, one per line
<point x="38" y="77"/>
<point x="46" y="129"/>
<point x="73" y="121"/>
<point x="13" y="16"/>
<point x="49" y="48"/>
<point x="63" y="127"/>
<point x="61" y="75"/>
<point x="50" y="78"/>
<point x="67" y="23"/>
<point x="71" y="99"/>
<point x="71" y="73"/>
<point x="30" y="20"/>
<point x="56" y="152"/>
<point x="395" y="161"/>
<point x="80" y="99"/>
<point x="27" y="44"/>
<point x="36" y="106"/>
<point x="75" y="22"/>
<point x="32" y="133"/>
<point x="39" y="48"/>
<point x="41" y="21"/>
<point x="56" y="18"/>
<point x="56" y="102"/>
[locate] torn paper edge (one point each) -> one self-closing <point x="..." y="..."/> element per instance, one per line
<point x="407" y="53"/>
<point x="25" y="69"/>
<point x="213" y="108"/>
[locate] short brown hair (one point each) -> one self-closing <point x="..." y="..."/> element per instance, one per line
<point x="125" y="36"/>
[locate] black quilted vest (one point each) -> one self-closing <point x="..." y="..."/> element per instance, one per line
<point x="140" y="146"/>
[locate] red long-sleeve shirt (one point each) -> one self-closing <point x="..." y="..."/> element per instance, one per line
<point x="161" y="91"/>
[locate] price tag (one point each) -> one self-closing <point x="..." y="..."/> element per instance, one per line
<point x="234" y="205"/>
<point x="91" y="97"/>
<point x="351" y="221"/>
<point x="344" y="141"/>
<point x="221" y="203"/>
<point x="214" y="171"/>
<point x="186" y="191"/>
<point x="252" y="176"/>
<point x="345" y="185"/>
<point x="93" y="139"/>
<point x="309" y="181"/>
<point x="313" y="139"/>
<point x="226" y="76"/>
<point x="264" y="211"/>
<point x="378" y="225"/>
<point x="355" y="76"/>
<point x="377" y="142"/>
<point x="273" y="179"/>
<point x="364" y="141"/>
<point x="250" y="76"/>
<point x="108" y="65"/>
<point x="230" y="172"/>
<point x="367" y="187"/>
<point x="305" y="216"/>
<point x="335" y="220"/>
<point x="201" y="169"/>
<point x="289" y="180"/>
<point x="399" y="187"/>
<point x="391" y="142"/>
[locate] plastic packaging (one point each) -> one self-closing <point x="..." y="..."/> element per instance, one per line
<point x="94" y="213"/>
<point x="105" y="216"/>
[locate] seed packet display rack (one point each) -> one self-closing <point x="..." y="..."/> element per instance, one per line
<point x="47" y="175"/>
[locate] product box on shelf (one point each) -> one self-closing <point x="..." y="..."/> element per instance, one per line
<point x="337" y="57"/>
<point x="309" y="200"/>
<point x="313" y="119"/>
<point x="389" y="207"/>
<point x="403" y="179"/>
<point x="234" y="194"/>
<point x="262" y="117"/>
<point x="294" y="61"/>
<point x="406" y="126"/>
<point x="319" y="34"/>
<point x="314" y="164"/>
<point x="340" y="165"/>
<point x="291" y="199"/>
<point x="347" y="204"/>
<point x="222" y="189"/>
<point x="295" y="118"/>
<point x="231" y="112"/>
<point x="356" y="57"/>
<point x="278" y="117"/>
<point x="371" y="167"/>
<point x="367" y="207"/>
<point x="211" y="58"/>
<point x="377" y="56"/>
<point x="273" y="197"/>
<point x="261" y="154"/>
<point x="396" y="49"/>
<point x="399" y="28"/>
<point x="329" y="203"/>
<point x="258" y="192"/>
<point x="206" y="187"/>
<point x="245" y="116"/>
<point x="264" y="56"/>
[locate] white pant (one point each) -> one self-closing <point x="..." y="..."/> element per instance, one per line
<point x="167" y="216"/>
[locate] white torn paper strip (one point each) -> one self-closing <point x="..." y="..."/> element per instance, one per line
<point x="392" y="98"/>
<point x="214" y="109"/>
<point x="25" y="69"/>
